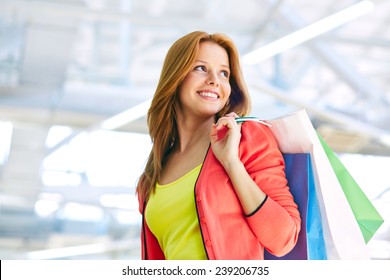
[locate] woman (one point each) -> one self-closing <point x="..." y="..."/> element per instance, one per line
<point x="212" y="188"/>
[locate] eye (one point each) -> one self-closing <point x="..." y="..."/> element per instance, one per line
<point x="225" y="74"/>
<point x="200" y="68"/>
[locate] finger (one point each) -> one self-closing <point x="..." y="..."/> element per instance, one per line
<point x="214" y="133"/>
<point x="232" y="114"/>
<point x="230" y="121"/>
<point x="225" y="122"/>
<point x="218" y="134"/>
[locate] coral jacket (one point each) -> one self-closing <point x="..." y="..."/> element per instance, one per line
<point x="226" y="231"/>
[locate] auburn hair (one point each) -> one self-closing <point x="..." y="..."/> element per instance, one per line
<point x="161" y="116"/>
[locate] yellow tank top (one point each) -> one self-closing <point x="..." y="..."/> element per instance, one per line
<point x="171" y="216"/>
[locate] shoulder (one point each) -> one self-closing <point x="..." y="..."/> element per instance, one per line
<point x="258" y="148"/>
<point x="256" y="132"/>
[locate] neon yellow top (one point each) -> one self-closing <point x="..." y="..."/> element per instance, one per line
<point x="171" y="216"/>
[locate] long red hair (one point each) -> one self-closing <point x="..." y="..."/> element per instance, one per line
<point x="161" y="115"/>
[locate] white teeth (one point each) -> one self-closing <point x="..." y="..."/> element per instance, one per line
<point x="208" y="94"/>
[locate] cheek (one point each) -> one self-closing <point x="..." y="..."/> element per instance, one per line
<point x="227" y="91"/>
<point x="184" y="87"/>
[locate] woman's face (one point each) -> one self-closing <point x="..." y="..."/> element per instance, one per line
<point x="206" y="88"/>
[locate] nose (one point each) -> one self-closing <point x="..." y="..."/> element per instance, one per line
<point x="212" y="79"/>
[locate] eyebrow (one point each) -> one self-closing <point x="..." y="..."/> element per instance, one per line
<point x="224" y="65"/>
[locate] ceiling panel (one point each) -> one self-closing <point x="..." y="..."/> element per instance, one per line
<point x="76" y="63"/>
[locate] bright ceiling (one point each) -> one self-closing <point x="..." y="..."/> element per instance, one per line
<point x="77" y="63"/>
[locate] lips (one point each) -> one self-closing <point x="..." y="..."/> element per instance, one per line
<point x="209" y="94"/>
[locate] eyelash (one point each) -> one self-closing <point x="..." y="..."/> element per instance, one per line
<point x="200" y="67"/>
<point x="203" y="68"/>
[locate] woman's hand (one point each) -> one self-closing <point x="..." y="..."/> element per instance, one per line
<point x="225" y="138"/>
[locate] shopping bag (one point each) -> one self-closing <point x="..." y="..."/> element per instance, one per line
<point x="367" y="217"/>
<point x="343" y="239"/>
<point x="310" y="244"/>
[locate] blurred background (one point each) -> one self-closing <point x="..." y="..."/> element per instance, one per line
<point x="76" y="78"/>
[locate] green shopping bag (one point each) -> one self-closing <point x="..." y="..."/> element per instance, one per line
<point x="342" y="235"/>
<point x="367" y="217"/>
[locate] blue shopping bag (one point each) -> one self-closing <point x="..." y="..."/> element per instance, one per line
<point x="342" y="236"/>
<point x="310" y="244"/>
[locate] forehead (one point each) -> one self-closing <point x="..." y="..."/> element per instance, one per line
<point x="211" y="51"/>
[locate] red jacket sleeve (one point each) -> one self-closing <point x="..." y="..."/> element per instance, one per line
<point x="277" y="222"/>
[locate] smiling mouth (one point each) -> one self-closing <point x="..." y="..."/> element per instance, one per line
<point x="208" y="94"/>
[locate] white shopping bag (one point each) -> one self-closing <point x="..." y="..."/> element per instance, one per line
<point x="343" y="239"/>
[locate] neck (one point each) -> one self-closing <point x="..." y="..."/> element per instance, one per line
<point x="193" y="132"/>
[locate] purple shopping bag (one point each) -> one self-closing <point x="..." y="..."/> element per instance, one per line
<point x="310" y="244"/>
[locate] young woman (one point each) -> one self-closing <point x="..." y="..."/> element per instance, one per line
<point x="212" y="188"/>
